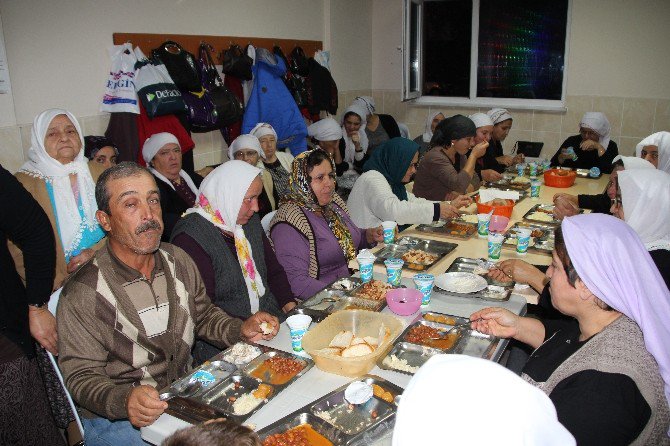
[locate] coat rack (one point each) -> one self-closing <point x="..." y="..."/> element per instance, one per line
<point x="148" y="42"/>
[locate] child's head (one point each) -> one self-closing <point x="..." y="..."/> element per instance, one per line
<point x="220" y="432"/>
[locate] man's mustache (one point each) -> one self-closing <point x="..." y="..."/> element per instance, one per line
<point x="146" y="226"/>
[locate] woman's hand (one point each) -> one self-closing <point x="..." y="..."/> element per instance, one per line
<point x="496" y="322"/>
<point x="375" y="235"/>
<point x="448" y="211"/>
<point x="521" y="272"/>
<point x="288" y="307"/>
<point x="518" y="158"/>
<point x="505" y="160"/>
<point x="43" y="328"/>
<point x="479" y="150"/>
<point x="78" y="260"/>
<point x="565" y="205"/>
<point x="251" y="328"/>
<point x="491" y="175"/>
<point x="356" y="139"/>
<point x="461" y="201"/>
<point x="590" y="144"/>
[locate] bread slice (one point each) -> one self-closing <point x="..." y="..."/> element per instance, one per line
<point x="356" y="341"/>
<point x="342" y="339"/>
<point x="372" y="341"/>
<point x="357" y="350"/>
<point x="329" y="351"/>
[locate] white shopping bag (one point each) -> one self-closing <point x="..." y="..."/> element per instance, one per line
<point x="120" y="94"/>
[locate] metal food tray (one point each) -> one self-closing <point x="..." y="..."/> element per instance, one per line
<point x="585" y="173"/>
<point x="495" y="291"/>
<point x="219" y="370"/>
<point x="319" y="311"/>
<point x="405" y="243"/>
<point x="344" y="423"/>
<point x="470" y="342"/>
<point x="214" y="401"/>
<point x="544" y="243"/>
<point x="442" y="227"/>
<point x="506" y="184"/>
<point x="545" y="207"/>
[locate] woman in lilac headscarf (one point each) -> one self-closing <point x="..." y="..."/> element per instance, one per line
<point x="607" y="369"/>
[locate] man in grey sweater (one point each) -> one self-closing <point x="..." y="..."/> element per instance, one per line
<point x="128" y="318"/>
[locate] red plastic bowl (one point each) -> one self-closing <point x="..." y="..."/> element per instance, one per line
<point x="505" y="211"/>
<point x="553" y="179"/>
<point x="404" y="301"/>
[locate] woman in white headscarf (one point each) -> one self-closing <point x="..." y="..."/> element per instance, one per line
<point x="485" y="165"/>
<point x="248" y="148"/>
<point x="379" y="127"/>
<point x="178" y="190"/>
<point x="423" y="140"/>
<point x="592" y="147"/>
<point x="655" y="148"/>
<point x="643" y="201"/>
<point x="495" y="406"/>
<point x="276" y="164"/>
<point x="326" y="134"/>
<point x="495" y="156"/>
<point x="224" y="236"/>
<point x="60" y="178"/>
<point x="354" y="142"/>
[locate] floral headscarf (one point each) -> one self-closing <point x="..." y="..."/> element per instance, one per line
<point x="302" y="196"/>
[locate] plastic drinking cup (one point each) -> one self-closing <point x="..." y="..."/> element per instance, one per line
<point x="533" y="170"/>
<point x="520" y="168"/>
<point x="522" y="240"/>
<point x="424" y="283"/>
<point x="535" y="189"/>
<point x="483" y="221"/>
<point x="389" y="231"/>
<point x="365" y="267"/>
<point x="394" y="271"/>
<point x="298" y="325"/>
<point x="495" y="245"/>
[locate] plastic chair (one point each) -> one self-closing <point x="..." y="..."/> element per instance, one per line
<point x="53" y="304"/>
<point x="265" y="222"/>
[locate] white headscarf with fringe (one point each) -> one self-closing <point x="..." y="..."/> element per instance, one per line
<point x="428" y="131"/>
<point x="41" y="165"/>
<point x="350" y="153"/>
<point x="219" y="201"/>
<point x="152" y="146"/>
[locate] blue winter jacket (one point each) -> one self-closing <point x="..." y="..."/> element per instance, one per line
<point x="271" y="102"/>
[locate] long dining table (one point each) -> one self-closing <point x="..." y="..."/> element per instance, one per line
<point x="316" y="383"/>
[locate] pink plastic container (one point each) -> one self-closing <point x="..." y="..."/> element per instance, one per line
<point x="498" y="223"/>
<point x="404" y="301"/>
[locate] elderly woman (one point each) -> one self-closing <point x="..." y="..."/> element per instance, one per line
<point x="495" y="156"/>
<point x="592" y="147"/>
<point x="313" y="235"/>
<point x="378" y="127"/>
<point x="276" y="164"/>
<point x="607" y="370"/>
<point x="445" y="172"/>
<point x="423" y="140"/>
<point x="326" y="134"/>
<point x="567" y="205"/>
<point x="101" y="150"/>
<point x="643" y="201"/>
<point x="177" y="189"/>
<point x="59" y="177"/>
<point x="655" y="148"/>
<point x="513" y="411"/>
<point x="354" y="142"/>
<point x="247" y="148"/>
<point x="485" y="127"/>
<point x="223" y="235"/>
<point x="380" y="193"/>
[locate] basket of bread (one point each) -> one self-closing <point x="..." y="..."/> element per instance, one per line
<point x="349" y="342"/>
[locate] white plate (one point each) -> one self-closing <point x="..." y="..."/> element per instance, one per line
<point x="461" y="282"/>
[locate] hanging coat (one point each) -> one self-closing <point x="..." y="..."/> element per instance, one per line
<point x="271" y="102"/>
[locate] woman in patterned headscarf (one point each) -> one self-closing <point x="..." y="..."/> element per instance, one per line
<point x="313" y="235"/>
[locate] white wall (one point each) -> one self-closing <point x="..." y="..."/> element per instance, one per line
<point x="617" y="47"/>
<point x="351" y="43"/>
<point x="7" y="116"/>
<point x="57" y="49"/>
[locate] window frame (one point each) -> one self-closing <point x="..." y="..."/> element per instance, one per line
<point x="417" y="97"/>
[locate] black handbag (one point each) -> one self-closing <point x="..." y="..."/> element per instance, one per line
<point x="235" y="62"/>
<point x="298" y="63"/>
<point x="180" y="64"/>
<point x="294" y="83"/>
<point x="229" y="109"/>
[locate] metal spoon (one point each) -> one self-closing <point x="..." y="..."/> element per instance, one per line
<point x="456" y="327"/>
<point x="189" y="389"/>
